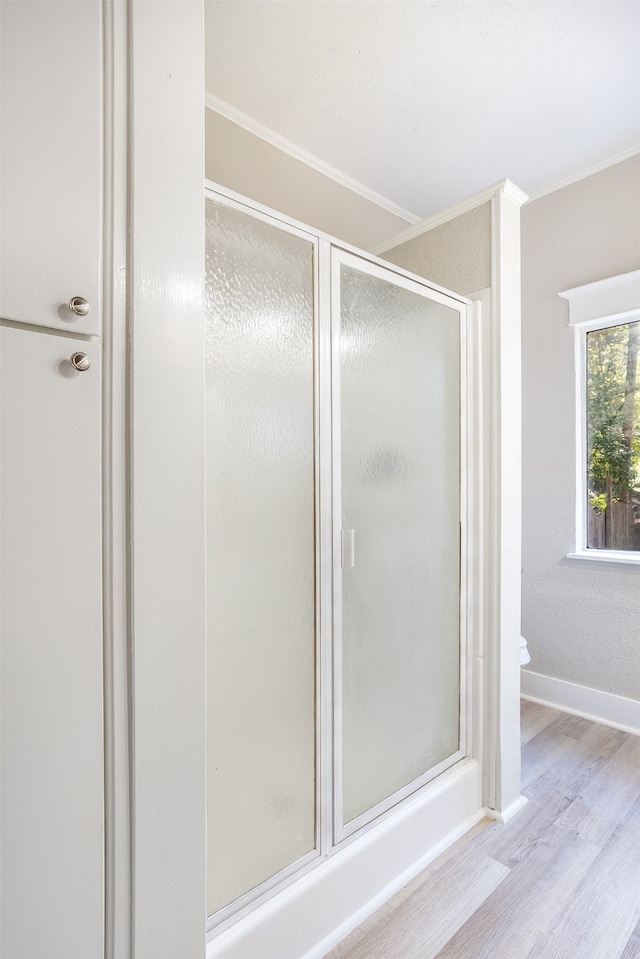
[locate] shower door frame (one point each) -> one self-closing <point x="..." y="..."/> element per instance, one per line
<point x="330" y="834"/>
<point x="371" y="267"/>
<point x="246" y="902"/>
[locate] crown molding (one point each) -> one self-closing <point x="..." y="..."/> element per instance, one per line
<point x="418" y="225"/>
<point x="286" y="146"/>
<point x="513" y="192"/>
<point x="505" y="186"/>
<point x="584" y="172"/>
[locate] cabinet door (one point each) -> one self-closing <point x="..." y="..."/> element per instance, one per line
<point x="51" y="649"/>
<point x="51" y="157"/>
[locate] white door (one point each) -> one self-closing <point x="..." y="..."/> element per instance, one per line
<point x="399" y="510"/>
<point x="51" y="648"/>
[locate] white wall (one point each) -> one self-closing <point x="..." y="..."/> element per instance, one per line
<point x="581" y="618"/>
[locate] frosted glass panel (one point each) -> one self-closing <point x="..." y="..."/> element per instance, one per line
<point x="260" y="551"/>
<point x="399" y="362"/>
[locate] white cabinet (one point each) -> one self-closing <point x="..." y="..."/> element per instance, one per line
<point x="51" y="160"/>
<point x="51" y="659"/>
<point x="52" y="833"/>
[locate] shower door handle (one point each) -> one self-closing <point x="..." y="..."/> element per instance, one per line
<point x="348" y="548"/>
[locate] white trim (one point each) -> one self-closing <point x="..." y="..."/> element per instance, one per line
<point x="466" y="465"/>
<point x="297" y="153"/>
<point x="613" y="301"/>
<point x="115" y="491"/>
<point x="506" y="187"/>
<point x="506" y="814"/>
<point x="493" y="675"/>
<point x="606" y="556"/>
<point x="478" y="378"/>
<point x="335" y="937"/>
<point x="580" y="379"/>
<point x="254" y="208"/>
<point x="336" y="434"/>
<point x="605" y="300"/>
<point x="587" y="171"/>
<point x="503" y="576"/>
<point x="370" y="264"/>
<point x="269" y="136"/>
<point x="621" y="280"/>
<point x="606" y="322"/>
<point x="320" y="639"/>
<point x="594" y="704"/>
<point x="323" y="322"/>
<point x="313" y="914"/>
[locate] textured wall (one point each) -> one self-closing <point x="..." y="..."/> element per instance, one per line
<point x="581" y="619"/>
<point x="243" y="162"/>
<point x="456" y="255"/>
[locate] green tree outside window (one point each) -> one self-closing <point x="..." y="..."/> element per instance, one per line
<point x="613" y="437"/>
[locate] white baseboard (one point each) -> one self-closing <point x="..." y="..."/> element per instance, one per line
<point x="506" y="814"/>
<point x="594" y="704"/>
<point x="309" y="917"/>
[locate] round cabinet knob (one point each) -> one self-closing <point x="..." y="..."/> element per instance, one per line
<point x="79" y="306"/>
<point x="80" y="362"/>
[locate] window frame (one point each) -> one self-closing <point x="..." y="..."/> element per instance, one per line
<point x="614" y="301"/>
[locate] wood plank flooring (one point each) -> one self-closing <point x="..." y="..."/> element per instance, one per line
<point x="561" y="880"/>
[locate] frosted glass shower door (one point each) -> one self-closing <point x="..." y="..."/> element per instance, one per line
<point x="333" y="546"/>
<point x="260" y="552"/>
<point x="397" y="537"/>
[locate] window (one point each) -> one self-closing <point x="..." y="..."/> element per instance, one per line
<point x="613" y="437"/>
<point x="606" y="319"/>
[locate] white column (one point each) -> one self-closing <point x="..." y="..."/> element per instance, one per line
<point x="502" y="787"/>
<point x="166" y="310"/>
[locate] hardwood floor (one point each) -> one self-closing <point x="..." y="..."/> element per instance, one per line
<point x="561" y="880"/>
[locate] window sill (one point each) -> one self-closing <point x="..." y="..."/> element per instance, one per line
<point x="607" y="556"/>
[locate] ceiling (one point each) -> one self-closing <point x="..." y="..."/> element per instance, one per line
<point x="428" y="102"/>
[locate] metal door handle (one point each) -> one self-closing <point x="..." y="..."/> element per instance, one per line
<point x="79" y="306"/>
<point x="80" y="362"/>
<point x="348" y="548"/>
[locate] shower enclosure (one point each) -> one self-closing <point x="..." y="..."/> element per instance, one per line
<point x="335" y="546"/>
